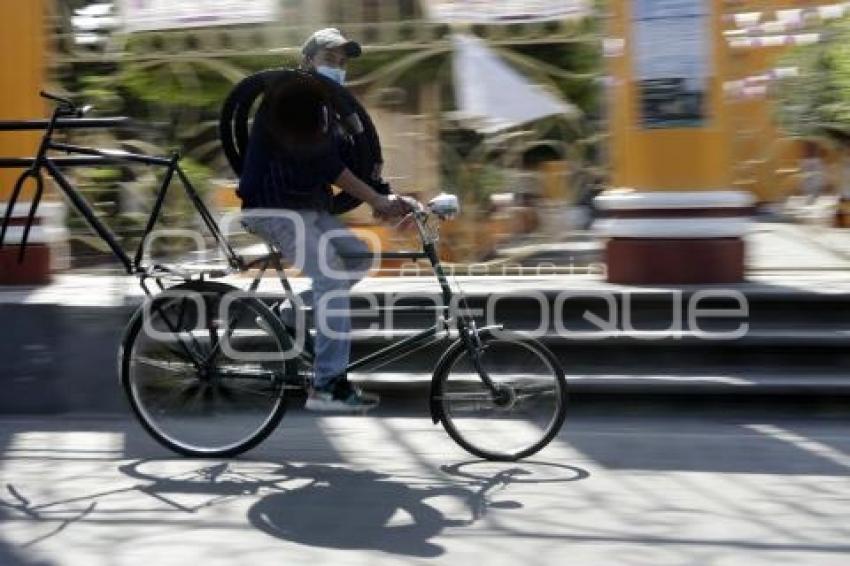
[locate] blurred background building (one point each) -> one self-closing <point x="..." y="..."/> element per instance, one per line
<point x="507" y="104"/>
<point x="500" y="149"/>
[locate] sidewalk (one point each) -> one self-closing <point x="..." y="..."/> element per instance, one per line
<point x="798" y="247"/>
<point x="692" y="487"/>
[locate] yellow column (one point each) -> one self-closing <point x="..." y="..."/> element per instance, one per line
<point x="678" y="222"/>
<point x="658" y="159"/>
<point x="22" y="60"/>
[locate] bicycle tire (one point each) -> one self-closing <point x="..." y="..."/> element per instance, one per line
<point x="495" y="365"/>
<point x="213" y="290"/>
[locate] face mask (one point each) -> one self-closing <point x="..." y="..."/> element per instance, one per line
<point x="333" y="73"/>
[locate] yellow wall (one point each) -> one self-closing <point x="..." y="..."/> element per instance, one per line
<point x="666" y="159"/>
<point x="764" y="159"/>
<point x="22" y="60"/>
<point x="553" y="180"/>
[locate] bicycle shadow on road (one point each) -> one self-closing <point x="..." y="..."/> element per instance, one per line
<point x="346" y="509"/>
<point x="328" y="506"/>
<point x="16" y="555"/>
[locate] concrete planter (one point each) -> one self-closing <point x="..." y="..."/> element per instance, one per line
<point x="674" y="237"/>
<point x="47" y="236"/>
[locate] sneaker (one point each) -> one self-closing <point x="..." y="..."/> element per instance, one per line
<point x="340" y="396"/>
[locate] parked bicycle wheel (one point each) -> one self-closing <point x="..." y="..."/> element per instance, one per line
<point x="525" y="414"/>
<point x="205" y="370"/>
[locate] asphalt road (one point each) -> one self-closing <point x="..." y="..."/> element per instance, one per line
<point x="623" y="484"/>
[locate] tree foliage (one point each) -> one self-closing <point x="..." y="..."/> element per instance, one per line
<point x="816" y="101"/>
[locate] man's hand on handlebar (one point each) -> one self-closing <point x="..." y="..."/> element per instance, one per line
<point x="389" y="207"/>
<point x="386" y="207"/>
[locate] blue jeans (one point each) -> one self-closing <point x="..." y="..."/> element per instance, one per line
<point x="316" y="243"/>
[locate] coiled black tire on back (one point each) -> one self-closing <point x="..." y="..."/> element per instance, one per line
<point x="362" y="156"/>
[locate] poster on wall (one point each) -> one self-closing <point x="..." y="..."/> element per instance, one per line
<point x="672" y="51"/>
<point x="148" y="15"/>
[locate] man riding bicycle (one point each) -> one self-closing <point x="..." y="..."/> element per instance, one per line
<point x="294" y="155"/>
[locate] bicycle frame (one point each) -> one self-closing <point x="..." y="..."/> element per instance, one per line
<point x="93" y="156"/>
<point x="88" y="156"/>
<point x="401" y="347"/>
<point x="468" y="332"/>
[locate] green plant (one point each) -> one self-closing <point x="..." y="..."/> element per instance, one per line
<point x="816" y="101"/>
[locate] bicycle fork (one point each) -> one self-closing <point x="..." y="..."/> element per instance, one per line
<point x="33" y="172"/>
<point x="10" y="207"/>
<point x="472" y="339"/>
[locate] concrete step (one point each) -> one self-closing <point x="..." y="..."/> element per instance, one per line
<point x="762" y="381"/>
<point x="594" y="309"/>
<point x="58" y="346"/>
<point x="785" y="337"/>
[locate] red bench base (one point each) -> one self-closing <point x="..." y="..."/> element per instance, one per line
<point x="34" y="270"/>
<point x="636" y="261"/>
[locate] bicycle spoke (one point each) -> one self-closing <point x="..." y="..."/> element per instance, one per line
<point x="206" y="400"/>
<point x="177" y="333"/>
<point x="225" y="393"/>
<point x="250" y="391"/>
<point x="166" y="365"/>
<point x="174" y="395"/>
<point x="228" y="332"/>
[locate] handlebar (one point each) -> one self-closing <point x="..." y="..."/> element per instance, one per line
<point x="56" y="98"/>
<point x="66" y="106"/>
<point x="444" y="206"/>
<point x="413" y="205"/>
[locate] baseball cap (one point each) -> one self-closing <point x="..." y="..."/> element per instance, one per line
<point x="329" y="38"/>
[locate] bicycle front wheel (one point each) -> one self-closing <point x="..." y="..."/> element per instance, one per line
<point x="206" y="371"/>
<point x="524" y="414"/>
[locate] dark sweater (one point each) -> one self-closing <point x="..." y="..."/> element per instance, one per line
<point x="276" y="177"/>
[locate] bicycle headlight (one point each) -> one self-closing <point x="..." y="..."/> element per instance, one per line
<point x="444" y="205"/>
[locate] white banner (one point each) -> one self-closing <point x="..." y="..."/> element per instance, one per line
<point x="506" y="11"/>
<point x="145" y="15"/>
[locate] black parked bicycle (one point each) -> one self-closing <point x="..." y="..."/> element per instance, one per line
<point x="208" y="368"/>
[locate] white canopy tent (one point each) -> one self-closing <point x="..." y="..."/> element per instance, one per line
<point x="492" y="96"/>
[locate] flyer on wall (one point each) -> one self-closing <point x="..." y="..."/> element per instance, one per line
<point x="672" y="51"/>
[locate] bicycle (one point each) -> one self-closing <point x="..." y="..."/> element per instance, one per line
<point x="208" y="368"/>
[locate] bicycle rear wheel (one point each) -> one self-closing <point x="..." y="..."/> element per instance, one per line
<point x="204" y="371"/>
<point x="526" y="413"/>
